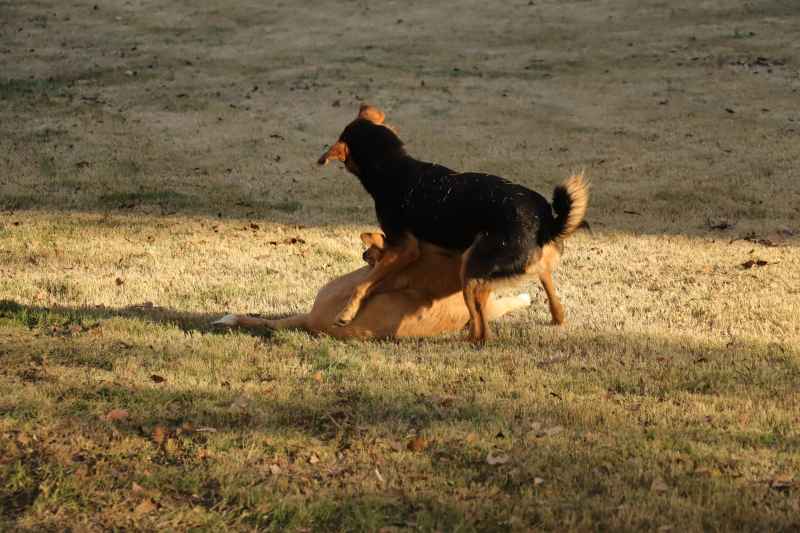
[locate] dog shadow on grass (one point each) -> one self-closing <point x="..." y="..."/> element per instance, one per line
<point x="78" y="318"/>
<point x="65" y="318"/>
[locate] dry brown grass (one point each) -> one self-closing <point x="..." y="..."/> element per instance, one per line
<point x="150" y="155"/>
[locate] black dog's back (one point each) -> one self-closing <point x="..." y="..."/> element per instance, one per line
<point x="451" y="209"/>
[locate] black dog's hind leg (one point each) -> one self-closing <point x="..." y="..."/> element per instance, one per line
<point x="489" y="261"/>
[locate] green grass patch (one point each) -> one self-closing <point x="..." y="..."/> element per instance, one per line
<point x="39" y="317"/>
<point x="285" y="206"/>
<point x="125" y="200"/>
<point x="18" y="202"/>
<point x="15" y="88"/>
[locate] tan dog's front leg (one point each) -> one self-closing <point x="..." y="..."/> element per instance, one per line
<point x="395" y="257"/>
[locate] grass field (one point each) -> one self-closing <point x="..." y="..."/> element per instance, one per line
<point x="157" y="170"/>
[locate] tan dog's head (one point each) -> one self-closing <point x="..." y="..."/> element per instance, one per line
<point x="375" y="244"/>
<point x="364" y="137"/>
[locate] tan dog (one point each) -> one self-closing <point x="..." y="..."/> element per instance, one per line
<point x="422" y="300"/>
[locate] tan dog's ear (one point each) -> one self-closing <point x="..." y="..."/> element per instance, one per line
<point x="337" y="152"/>
<point x="371" y="113"/>
<point x="373" y="239"/>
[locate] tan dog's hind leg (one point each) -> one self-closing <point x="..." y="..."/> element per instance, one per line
<point x="395" y="258"/>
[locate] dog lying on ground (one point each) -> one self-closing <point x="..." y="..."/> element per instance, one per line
<point x="422" y="300"/>
<point x="502" y="230"/>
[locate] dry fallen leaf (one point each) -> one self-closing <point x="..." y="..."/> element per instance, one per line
<point x="555" y="430"/>
<point x="136" y="488"/>
<point x="318" y="376"/>
<point x="171" y="446"/>
<point x="705" y="472"/>
<point x="659" y="485"/>
<point x="750" y="263"/>
<point x="313" y="459"/>
<point x="159" y="434"/>
<point x="497" y="458"/>
<point x="417" y="444"/>
<point x="782" y="481"/>
<point x="275" y="469"/>
<point x="240" y="403"/>
<point x="471" y="438"/>
<point x="146" y="506"/>
<point x="721" y="225"/>
<point x="116" y="414"/>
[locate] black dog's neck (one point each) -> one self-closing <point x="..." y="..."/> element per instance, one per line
<point x="383" y="179"/>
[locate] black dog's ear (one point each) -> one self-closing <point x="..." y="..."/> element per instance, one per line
<point x="371" y="113"/>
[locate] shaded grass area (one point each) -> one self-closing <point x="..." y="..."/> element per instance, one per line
<point x="289" y="431"/>
<point x="75" y="197"/>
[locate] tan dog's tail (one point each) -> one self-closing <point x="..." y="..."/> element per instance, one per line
<point x="570" y="200"/>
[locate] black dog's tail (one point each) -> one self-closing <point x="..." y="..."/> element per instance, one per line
<point x="570" y="200"/>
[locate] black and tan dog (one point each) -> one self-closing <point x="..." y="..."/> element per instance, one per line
<point x="503" y="230"/>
